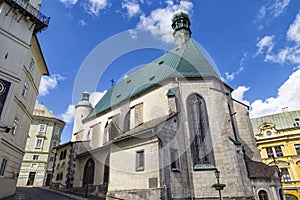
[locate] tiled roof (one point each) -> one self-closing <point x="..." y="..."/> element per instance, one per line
<point x="260" y="170"/>
<point x="185" y="62"/>
<point x="284" y="120"/>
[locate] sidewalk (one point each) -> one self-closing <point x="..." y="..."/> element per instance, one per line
<point x="71" y="196"/>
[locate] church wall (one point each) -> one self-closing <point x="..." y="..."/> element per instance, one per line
<point x="99" y="158"/>
<point x="123" y="166"/>
<point x="155" y="105"/>
<point x="245" y="130"/>
<point x="225" y="152"/>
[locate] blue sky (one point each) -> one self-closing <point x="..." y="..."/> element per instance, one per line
<point x="255" y="45"/>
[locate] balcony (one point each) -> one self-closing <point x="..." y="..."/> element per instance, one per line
<point x="28" y="11"/>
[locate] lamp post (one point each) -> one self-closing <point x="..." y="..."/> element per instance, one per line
<point x="218" y="186"/>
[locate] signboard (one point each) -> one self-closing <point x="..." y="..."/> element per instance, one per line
<point x="4" y="88"/>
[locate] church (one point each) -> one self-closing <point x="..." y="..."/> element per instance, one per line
<point x="170" y="130"/>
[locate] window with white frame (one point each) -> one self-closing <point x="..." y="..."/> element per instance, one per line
<point x="39" y="143"/>
<point x="140" y="160"/>
<point x="285" y="175"/>
<point x="3" y="166"/>
<point x="25" y="89"/>
<point x="297" y="148"/>
<point x="42" y="128"/>
<point x="31" y="64"/>
<point x="15" y="126"/>
<point x="56" y="130"/>
<point x="278" y="151"/>
<point x="269" y="151"/>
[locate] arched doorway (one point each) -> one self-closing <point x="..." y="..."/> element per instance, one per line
<point x="263" y="195"/>
<point x="88" y="173"/>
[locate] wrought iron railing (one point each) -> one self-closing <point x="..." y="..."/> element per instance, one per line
<point x="31" y="11"/>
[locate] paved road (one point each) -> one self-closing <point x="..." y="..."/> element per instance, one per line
<point x="35" y="194"/>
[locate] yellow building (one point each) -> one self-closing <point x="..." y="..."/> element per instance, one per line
<point x="278" y="139"/>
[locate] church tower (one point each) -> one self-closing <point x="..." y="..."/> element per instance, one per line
<point x="181" y="26"/>
<point x="82" y="110"/>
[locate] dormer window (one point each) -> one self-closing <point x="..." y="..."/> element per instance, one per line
<point x="269" y="133"/>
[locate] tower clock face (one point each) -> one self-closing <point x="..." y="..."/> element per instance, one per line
<point x="2" y="87"/>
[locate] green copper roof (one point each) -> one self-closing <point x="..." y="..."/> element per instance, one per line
<point x="180" y="14"/>
<point x="284" y="120"/>
<point x="84" y="103"/>
<point x="185" y="62"/>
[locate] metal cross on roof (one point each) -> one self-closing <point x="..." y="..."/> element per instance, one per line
<point x="112" y="82"/>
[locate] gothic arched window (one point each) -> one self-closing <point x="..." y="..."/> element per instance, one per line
<point x="88" y="173"/>
<point x="263" y="195"/>
<point x="200" y="139"/>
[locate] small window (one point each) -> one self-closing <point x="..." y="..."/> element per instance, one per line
<point x="57" y="131"/>
<point x="269" y="152"/>
<point x="42" y="128"/>
<point x="269" y="133"/>
<point x="15" y="126"/>
<point x="297" y="148"/>
<point x="297" y="119"/>
<point x="174" y="160"/>
<point x="35" y="157"/>
<point x="54" y="144"/>
<point x="285" y="175"/>
<point x="31" y="64"/>
<point x="3" y="166"/>
<point x="278" y="151"/>
<point x="25" y="90"/>
<point x="39" y="143"/>
<point x="140" y="160"/>
<point x="51" y="159"/>
<point x="263" y="195"/>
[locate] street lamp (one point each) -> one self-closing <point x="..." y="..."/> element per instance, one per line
<point x="219" y="186"/>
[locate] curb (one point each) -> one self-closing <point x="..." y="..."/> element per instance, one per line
<point x="63" y="193"/>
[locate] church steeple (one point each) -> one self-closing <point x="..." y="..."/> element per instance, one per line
<point x="181" y="26"/>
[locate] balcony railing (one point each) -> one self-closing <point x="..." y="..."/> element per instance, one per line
<point x="27" y="10"/>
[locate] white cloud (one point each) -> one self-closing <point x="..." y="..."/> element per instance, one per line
<point x="68" y="116"/>
<point x="288" y="96"/>
<point x="68" y="2"/>
<point x="272" y="9"/>
<point x="82" y="22"/>
<point x="132" y="7"/>
<point x="238" y="94"/>
<point x="266" y="43"/>
<point x="49" y="83"/>
<point x="96" y="96"/>
<point x="158" y="23"/>
<point x="278" y="7"/>
<point x="93" y="7"/>
<point x="231" y="76"/>
<point x="293" y="33"/>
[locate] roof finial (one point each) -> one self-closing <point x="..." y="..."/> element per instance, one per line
<point x="178" y="4"/>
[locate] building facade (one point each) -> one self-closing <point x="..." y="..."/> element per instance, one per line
<point x="65" y="164"/>
<point x="164" y="132"/>
<point x="21" y="67"/>
<point x="44" y="135"/>
<point x="278" y="140"/>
